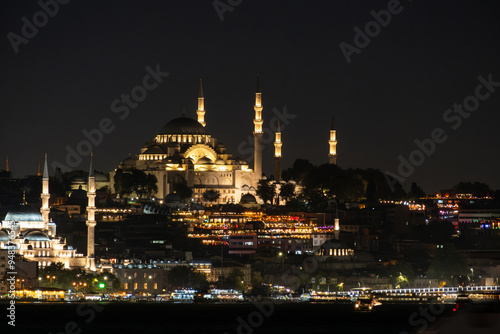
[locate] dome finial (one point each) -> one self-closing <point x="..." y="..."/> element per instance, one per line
<point x="184" y="112"/>
<point x="45" y="168"/>
<point x="91" y="170"/>
<point x="200" y="92"/>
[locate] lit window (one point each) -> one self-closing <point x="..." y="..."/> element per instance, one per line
<point x="135" y="286"/>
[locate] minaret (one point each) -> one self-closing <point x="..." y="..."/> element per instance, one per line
<point x="201" y="106"/>
<point x="258" y="133"/>
<point x="333" y="144"/>
<point x="277" y="154"/>
<point x="45" y="209"/>
<point x="7" y="164"/>
<point x="91" y="219"/>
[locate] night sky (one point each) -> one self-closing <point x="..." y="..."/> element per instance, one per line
<point x="396" y="89"/>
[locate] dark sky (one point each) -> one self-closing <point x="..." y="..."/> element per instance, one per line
<point x="395" y="90"/>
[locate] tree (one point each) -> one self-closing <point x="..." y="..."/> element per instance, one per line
<point x="123" y="183"/>
<point x="448" y="263"/>
<point x="150" y="186"/>
<point x="211" y="195"/>
<point x="401" y="273"/>
<point x="477" y="189"/>
<point x="183" y="190"/>
<point x="371" y="189"/>
<point x="266" y="190"/>
<point x="416" y="192"/>
<point x="298" y="171"/>
<point x="287" y="191"/>
<point x="57" y="276"/>
<point x="136" y="182"/>
<point x="187" y="277"/>
<point x="234" y="280"/>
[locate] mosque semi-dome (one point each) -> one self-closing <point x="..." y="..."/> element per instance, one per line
<point x="183" y="126"/>
<point x="36" y="236"/>
<point x="4" y="235"/>
<point x="248" y="199"/>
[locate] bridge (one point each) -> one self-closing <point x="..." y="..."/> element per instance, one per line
<point x="443" y="290"/>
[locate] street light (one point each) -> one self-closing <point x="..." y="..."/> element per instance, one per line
<point x="282" y="262"/>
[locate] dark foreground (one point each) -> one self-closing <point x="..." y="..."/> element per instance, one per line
<point x="310" y="318"/>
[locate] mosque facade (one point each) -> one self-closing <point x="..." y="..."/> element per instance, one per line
<point x="184" y="152"/>
<point x="31" y="234"/>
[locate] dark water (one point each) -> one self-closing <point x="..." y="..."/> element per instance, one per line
<point x="291" y="318"/>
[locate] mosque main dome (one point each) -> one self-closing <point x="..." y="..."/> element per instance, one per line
<point x="183" y="126"/>
<point x="25" y="213"/>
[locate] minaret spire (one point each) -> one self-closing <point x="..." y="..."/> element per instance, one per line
<point x="258" y="133"/>
<point x="45" y="209"/>
<point x="91" y="223"/>
<point x="7" y="164"/>
<point x="201" y="105"/>
<point x="333" y="144"/>
<point x="277" y="153"/>
<point x="39" y="173"/>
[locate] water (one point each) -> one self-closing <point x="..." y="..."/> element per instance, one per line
<point x="310" y="318"/>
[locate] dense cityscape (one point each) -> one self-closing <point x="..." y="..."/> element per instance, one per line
<point x="249" y="167"/>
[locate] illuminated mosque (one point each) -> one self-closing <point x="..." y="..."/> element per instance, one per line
<point x="31" y="233"/>
<point x="183" y="152"/>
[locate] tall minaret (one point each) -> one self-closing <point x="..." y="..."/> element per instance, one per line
<point x="7" y="164"/>
<point x="277" y="154"/>
<point x="333" y="144"/>
<point x="201" y="106"/>
<point x="45" y="209"/>
<point x="258" y="133"/>
<point x="91" y="219"/>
